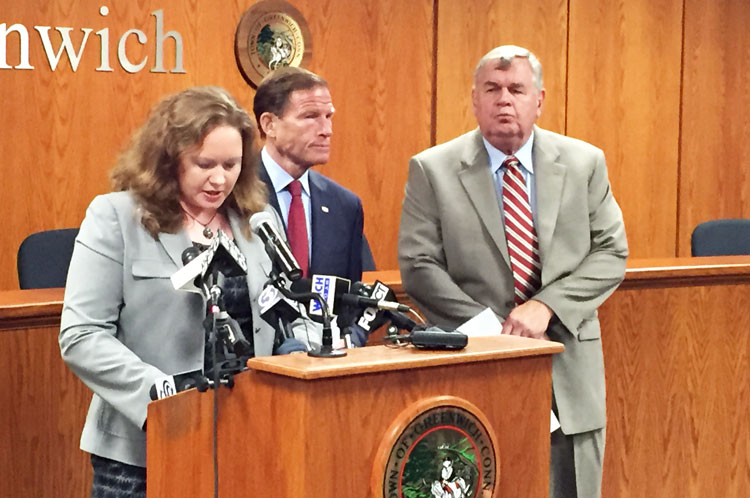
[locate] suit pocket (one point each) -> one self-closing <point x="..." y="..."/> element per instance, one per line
<point x="589" y="330"/>
<point x="152" y="268"/>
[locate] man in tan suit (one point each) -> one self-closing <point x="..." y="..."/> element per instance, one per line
<point x="455" y="259"/>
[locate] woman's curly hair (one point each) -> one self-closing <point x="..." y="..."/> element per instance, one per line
<point x="148" y="167"/>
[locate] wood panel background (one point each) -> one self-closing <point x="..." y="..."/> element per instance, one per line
<point x="62" y="130"/>
<point x="658" y="85"/>
<point x="715" y="149"/>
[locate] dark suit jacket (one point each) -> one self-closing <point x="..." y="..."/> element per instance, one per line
<point x="336" y="224"/>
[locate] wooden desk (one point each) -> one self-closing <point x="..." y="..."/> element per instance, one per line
<point x="677" y="353"/>
<point x="42" y="404"/>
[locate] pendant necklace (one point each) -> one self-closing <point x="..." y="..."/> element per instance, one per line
<point x="207" y="233"/>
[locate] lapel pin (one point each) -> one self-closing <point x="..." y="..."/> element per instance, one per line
<point x="324" y="209"/>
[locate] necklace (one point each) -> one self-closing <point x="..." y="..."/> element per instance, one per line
<point x="207" y="233"/>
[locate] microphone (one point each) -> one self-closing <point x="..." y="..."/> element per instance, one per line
<point x="305" y="290"/>
<point x="372" y="318"/>
<point x="277" y="249"/>
<point x="329" y="287"/>
<point x="168" y="385"/>
<point x="221" y="257"/>
<point x="364" y="302"/>
<point x="433" y="338"/>
<point x="230" y="333"/>
<point x="277" y="311"/>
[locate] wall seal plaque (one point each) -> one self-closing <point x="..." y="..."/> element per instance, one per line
<point x="271" y="34"/>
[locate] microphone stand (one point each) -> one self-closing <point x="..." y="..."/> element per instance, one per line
<point x="213" y="292"/>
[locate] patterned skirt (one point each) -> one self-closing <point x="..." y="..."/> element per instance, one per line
<point x="114" y="479"/>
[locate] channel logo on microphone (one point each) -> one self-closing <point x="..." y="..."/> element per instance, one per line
<point x="322" y="284"/>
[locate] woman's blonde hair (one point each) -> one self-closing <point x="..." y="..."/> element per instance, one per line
<point x="149" y="166"/>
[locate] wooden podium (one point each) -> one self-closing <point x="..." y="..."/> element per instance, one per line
<point x="296" y="426"/>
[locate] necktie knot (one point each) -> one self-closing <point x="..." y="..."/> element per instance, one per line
<point x="511" y="164"/>
<point x="295" y="188"/>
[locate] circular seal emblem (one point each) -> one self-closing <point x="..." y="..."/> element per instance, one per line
<point x="271" y="34"/>
<point x="444" y="452"/>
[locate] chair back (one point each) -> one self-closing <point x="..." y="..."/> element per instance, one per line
<point x="721" y="238"/>
<point x="44" y="257"/>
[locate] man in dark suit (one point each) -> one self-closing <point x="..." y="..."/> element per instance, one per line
<point x="294" y="111"/>
<point x="522" y="220"/>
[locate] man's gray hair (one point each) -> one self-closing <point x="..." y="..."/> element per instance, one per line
<point x="505" y="54"/>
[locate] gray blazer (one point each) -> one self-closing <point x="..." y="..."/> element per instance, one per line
<point x="123" y="324"/>
<point x="454" y="257"/>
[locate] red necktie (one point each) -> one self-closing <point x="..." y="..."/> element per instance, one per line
<point x="523" y="246"/>
<point x="297" y="227"/>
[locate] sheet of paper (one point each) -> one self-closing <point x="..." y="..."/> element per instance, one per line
<point x="482" y="325"/>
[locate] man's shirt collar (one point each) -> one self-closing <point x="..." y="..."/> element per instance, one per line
<point x="279" y="176"/>
<point x="524" y="154"/>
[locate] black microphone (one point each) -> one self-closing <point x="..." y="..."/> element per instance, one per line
<point x="305" y="290"/>
<point x="433" y="338"/>
<point x="329" y="287"/>
<point x="365" y="302"/>
<point x="278" y="312"/>
<point x="230" y="333"/>
<point x="222" y="257"/>
<point x="277" y="249"/>
<point x="190" y="254"/>
<point x="173" y="384"/>
<point x="371" y="318"/>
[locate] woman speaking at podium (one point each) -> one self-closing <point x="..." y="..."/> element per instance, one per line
<point x="188" y="172"/>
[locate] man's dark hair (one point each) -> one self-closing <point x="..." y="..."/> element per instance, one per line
<point x="274" y="91"/>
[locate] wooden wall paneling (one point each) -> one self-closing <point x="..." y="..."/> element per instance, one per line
<point x="623" y="96"/>
<point x="468" y="30"/>
<point x="676" y="363"/>
<point x="715" y="150"/>
<point x="68" y="127"/>
<point x="377" y="58"/>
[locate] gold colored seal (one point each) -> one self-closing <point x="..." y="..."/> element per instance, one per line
<point x="271" y="34"/>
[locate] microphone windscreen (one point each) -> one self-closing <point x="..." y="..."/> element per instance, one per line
<point x="301" y="286"/>
<point x="189" y="254"/>
<point x="259" y="218"/>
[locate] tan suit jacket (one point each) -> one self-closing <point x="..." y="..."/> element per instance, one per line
<point x="454" y="257"/>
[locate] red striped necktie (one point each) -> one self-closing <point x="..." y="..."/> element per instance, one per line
<point x="297" y="227"/>
<point x="523" y="245"/>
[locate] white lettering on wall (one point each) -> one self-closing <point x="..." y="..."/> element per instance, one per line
<point x="23" y="34"/>
<point x="66" y="45"/>
<point x="160" y="37"/>
<point x="73" y="55"/>
<point x="123" y="57"/>
<point x="103" y="43"/>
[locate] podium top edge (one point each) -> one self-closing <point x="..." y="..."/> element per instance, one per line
<point x="372" y="359"/>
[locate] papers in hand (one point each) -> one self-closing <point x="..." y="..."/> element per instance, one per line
<point x="486" y="324"/>
<point x="482" y="325"/>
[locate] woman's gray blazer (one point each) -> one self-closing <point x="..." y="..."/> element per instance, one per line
<point x="124" y="325"/>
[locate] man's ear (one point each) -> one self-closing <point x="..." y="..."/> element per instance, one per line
<point x="268" y="124"/>
<point x="540" y="102"/>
